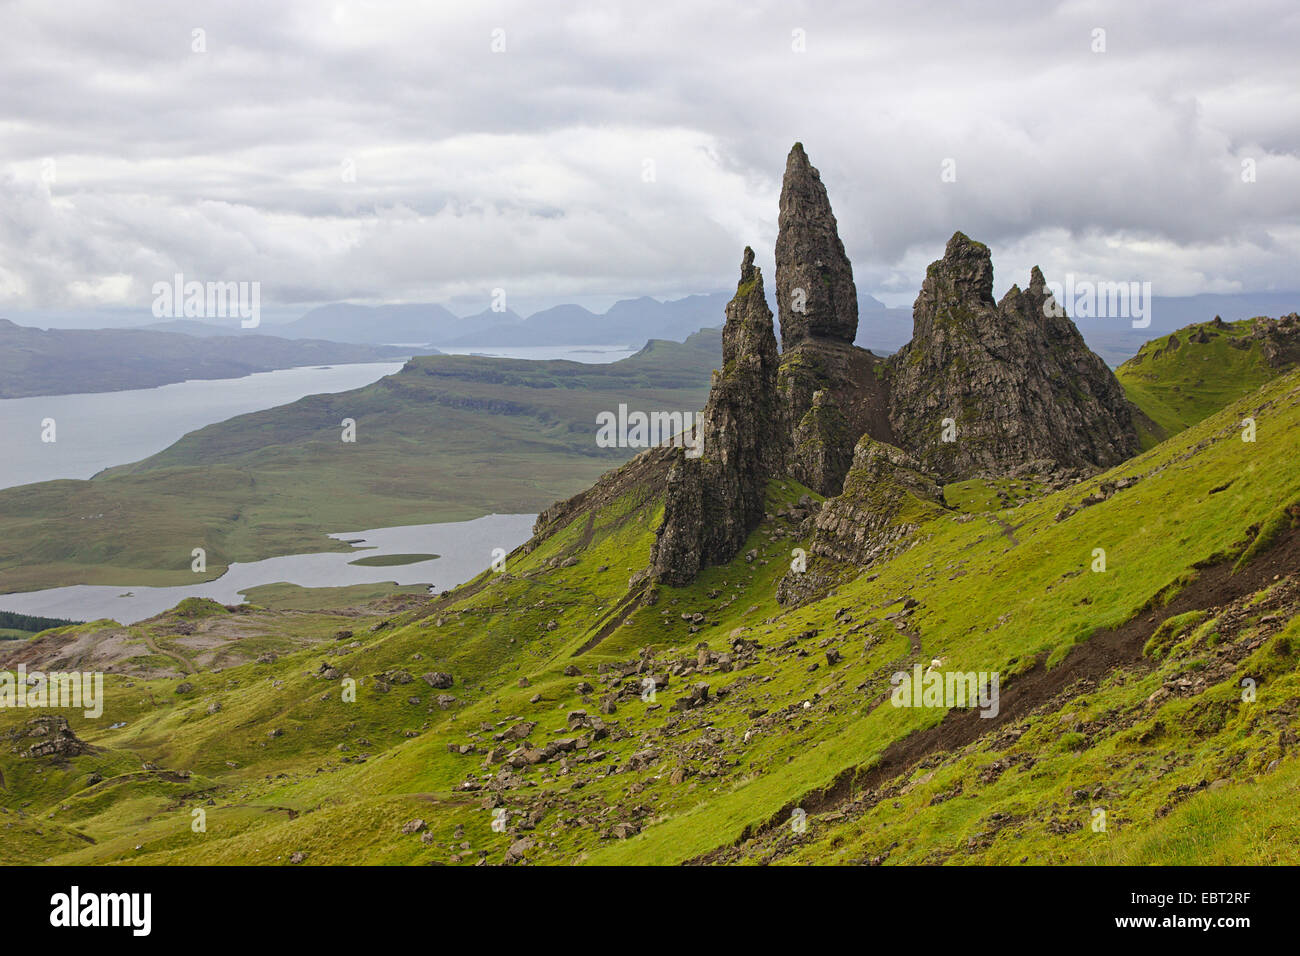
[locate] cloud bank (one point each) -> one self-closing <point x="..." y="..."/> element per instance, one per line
<point x="433" y="152"/>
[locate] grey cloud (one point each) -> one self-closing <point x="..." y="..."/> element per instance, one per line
<point x="524" y="169"/>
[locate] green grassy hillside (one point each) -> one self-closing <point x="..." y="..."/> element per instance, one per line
<point x="1182" y="378"/>
<point x="1121" y="692"/>
<point x="448" y="438"/>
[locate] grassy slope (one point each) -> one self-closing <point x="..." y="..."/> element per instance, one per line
<point x="990" y="599"/>
<point x="449" y="438"/>
<point x="294" y="597"/>
<point x="1178" y="382"/>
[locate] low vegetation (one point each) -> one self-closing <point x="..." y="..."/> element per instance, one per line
<point x="1148" y="707"/>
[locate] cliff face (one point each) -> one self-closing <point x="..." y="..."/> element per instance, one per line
<point x="886" y="496"/>
<point x="985" y="387"/>
<point x="713" y="501"/>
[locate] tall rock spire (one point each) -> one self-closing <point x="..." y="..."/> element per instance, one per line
<point x="815" y="294"/>
<point x="747" y="334"/>
<point x="830" y="394"/>
<point x="712" y="502"/>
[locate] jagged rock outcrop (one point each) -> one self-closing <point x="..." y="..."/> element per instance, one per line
<point x="815" y="294"/>
<point x="799" y="415"/>
<point x="886" y="497"/>
<point x="1280" y="340"/>
<point x="55" y="738"/>
<point x="713" y="501"/>
<point x="742" y="401"/>
<point x="985" y="386"/>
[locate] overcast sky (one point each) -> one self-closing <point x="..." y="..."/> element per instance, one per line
<point x="385" y="152"/>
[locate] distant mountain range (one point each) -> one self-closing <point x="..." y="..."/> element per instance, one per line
<point x="629" y="322"/>
<point x="632" y="322"/>
<point x="60" y="361"/>
<point x="66" y="361"/>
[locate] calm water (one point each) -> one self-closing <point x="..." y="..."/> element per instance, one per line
<point x="97" y="431"/>
<point x="115" y="428"/>
<point x="464" y="548"/>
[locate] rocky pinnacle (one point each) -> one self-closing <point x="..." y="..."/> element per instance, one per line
<point x="985" y="388"/>
<point x="815" y="295"/>
<point x="712" y="502"/>
<point x="747" y="332"/>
